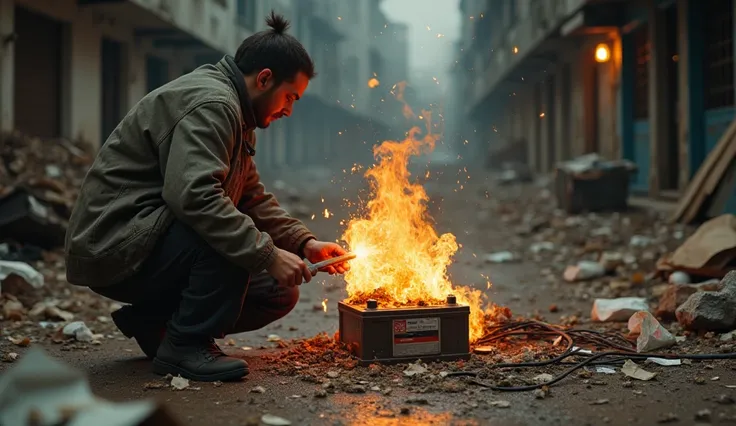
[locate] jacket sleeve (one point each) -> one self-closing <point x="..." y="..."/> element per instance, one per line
<point x="288" y="233"/>
<point x="195" y="162"/>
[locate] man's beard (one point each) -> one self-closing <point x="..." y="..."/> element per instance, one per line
<point x="260" y="108"/>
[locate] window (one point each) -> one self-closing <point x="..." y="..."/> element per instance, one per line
<point x="718" y="54"/>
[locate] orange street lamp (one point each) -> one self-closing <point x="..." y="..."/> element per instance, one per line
<point x="602" y="53"/>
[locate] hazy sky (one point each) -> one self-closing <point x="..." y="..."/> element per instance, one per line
<point x="427" y="51"/>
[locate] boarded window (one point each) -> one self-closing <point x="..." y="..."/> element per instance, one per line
<point x="718" y="53"/>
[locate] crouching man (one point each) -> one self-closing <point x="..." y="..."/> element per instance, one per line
<point x="173" y="221"/>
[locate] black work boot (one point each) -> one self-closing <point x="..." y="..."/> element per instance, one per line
<point x="202" y="361"/>
<point x="147" y="335"/>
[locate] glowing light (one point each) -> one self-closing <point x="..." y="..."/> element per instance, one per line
<point x="602" y="53"/>
<point x="515" y="50"/>
<point x="324" y="305"/>
<point x="373" y="83"/>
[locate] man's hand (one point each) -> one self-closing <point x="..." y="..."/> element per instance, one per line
<point x="288" y="269"/>
<point x="317" y="251"/>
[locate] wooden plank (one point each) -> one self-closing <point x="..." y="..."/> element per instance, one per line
<point x="716" y="174"/>
<point x="702" y="195"/>
<point x="693" y="198"/>
<point x="720" y="168"/>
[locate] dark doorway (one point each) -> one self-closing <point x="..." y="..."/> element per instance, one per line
<point x="670" y="177"/>
<point x="591" y="105"/>
<point x="112" y="84"/>
<point x="37" y="94"/>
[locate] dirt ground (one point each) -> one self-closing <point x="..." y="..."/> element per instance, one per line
<point x="480" y="217"/>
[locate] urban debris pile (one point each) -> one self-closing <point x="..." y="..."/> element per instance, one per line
<point x="39" y="181"/>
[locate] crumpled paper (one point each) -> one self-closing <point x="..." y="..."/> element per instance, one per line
<point x="630" y="369"/>
<point x="41" y="388"/>
<point x="651" y="334"/>
<point x="617" y="309"/>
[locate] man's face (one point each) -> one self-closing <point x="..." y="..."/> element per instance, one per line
<point x="275" y="101"/>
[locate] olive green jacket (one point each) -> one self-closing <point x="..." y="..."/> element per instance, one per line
<point x="184" y="152"/>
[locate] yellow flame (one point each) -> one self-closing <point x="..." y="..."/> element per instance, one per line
<point x="324" y="305"/>
<point x="402" y="261"/>
<point x="373" y="83"/>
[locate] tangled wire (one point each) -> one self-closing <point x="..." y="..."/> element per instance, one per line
<point x="615" y="350"/>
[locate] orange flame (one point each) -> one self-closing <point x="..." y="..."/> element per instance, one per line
<point x="400" y="88"/>
<point x="402" y="261"/>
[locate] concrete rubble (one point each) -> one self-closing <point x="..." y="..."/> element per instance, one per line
<point x="711" y="310"/>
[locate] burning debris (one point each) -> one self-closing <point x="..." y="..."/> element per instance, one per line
<point x="402" y="261"/>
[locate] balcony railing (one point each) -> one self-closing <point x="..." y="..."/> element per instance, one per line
<point x="543" y="17"/>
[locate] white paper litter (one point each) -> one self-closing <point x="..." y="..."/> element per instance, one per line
<point x="21" y="269"/>
<point x="415" y="369"/>
<point x="584" y="270"/>
<point x="42" y="384"/>
<point x="605" y="370"/>
<point x="665" y="362"/>
<point x="651" y="334"/>
<point x="543" y="378"/>
<point x="582" y="351"/>
<point x="179" y="383"/>
<point x="501" y="257"/>
<point x="620" y="309"/>
<point x="630" y="369"/>
<point x="271" y="420"/>
<point x="542" y="246"/>
<point x="79" y="331"/>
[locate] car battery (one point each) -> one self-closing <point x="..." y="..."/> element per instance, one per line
<point x="405" y="334"/>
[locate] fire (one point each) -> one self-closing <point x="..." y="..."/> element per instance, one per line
<point x="324" y="305"/>
<point x="373" y="83"/>
<point x="402" y="261"/>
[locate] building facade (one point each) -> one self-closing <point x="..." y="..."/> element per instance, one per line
<point x="651" y="81"/>
<point x="73" y="68"/>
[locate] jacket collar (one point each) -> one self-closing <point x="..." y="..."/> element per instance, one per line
<point x="231" y="70"/>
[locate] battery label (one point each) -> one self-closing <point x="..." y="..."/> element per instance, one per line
<point x="416" y="336"/>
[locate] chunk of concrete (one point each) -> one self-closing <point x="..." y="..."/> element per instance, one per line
<point x="675" y="295"/>
<point x="711" y="310"/>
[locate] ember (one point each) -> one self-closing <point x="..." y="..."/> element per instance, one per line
<point x="386" y="301"/>
<point x="318" y="350"/>
<point x="404" y="262"/>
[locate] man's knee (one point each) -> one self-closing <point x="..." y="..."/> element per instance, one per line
<point x="265" y="304"/>
<point x="291" y="298"/>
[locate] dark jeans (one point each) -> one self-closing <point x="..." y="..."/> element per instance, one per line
<point x="198" y="292"/>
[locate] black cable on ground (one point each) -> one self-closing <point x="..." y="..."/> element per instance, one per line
<point x="620" y="349"/>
